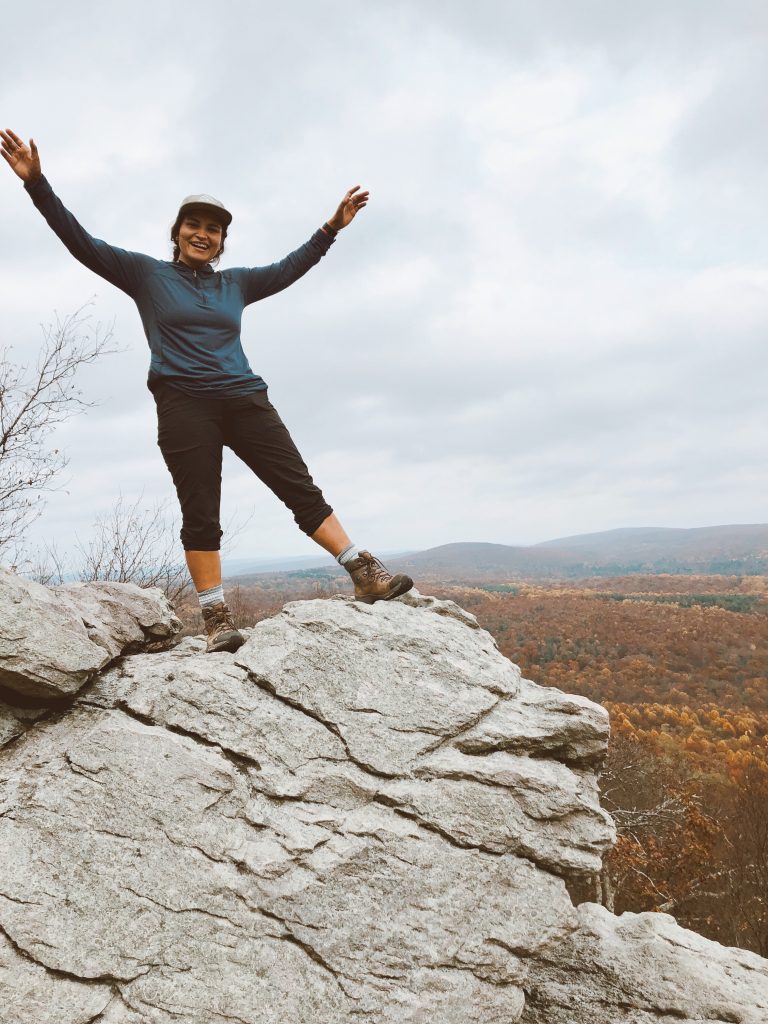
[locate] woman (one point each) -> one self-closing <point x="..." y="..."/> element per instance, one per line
<point x="206" y="394"/>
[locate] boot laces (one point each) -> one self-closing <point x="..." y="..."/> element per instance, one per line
<point x="374" y="569"/>
<point x="221" y="617"/>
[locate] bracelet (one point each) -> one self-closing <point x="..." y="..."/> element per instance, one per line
<point x="331" y="231"/>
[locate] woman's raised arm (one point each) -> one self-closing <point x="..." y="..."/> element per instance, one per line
<point x="126" y="270"/>
<point x="263" y="281"/>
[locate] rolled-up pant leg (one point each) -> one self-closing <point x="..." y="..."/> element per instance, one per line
<point x="190" y="437"/>
<point x="256" y="434"/>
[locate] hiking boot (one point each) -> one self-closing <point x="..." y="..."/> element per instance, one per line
<point x="222" y="635"/>
<point x="373" y="582"/>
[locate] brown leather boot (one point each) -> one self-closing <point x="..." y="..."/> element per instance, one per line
<point x="222" y="635"/>
<point x="373" y="582"/>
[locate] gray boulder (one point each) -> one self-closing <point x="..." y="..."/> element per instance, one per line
<point x="365" y="814"/>
<point x="53" y="639"/>
<point x="643" y="969"/>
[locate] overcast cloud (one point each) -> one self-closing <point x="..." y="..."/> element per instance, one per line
<point x="550" y="319"/>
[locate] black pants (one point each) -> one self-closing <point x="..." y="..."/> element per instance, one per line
<point x="191" y="433"/>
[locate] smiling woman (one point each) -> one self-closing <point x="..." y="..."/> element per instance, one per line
<point x="206" y="393"/>
<point x="199" y="231"/>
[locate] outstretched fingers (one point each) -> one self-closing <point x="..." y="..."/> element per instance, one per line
<point x="11" y="137"/>
<point x="11" y="142"/>
<point x="358" y="200"/>
<point x="8" y="146"/>
<point x="23" y="159"/>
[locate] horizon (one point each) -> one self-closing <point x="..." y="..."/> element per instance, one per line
<point x="251" y="565"/>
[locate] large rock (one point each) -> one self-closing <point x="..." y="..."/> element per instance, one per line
<point x="363" y="815"/>
<point x="53" y="639"/>
<point x="386" y="696"/>
<point x="643" y="969"/>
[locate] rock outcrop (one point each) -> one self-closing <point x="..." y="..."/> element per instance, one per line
<point x="53" y="639"/>
<point x="365" y="814"/>
<point x="643" y="969"/>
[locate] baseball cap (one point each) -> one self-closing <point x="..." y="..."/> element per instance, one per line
<point x="214" y="204"/>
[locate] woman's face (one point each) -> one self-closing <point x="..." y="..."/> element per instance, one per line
<point x="199" y="238"/>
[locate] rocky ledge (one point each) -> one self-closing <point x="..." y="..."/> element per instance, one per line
<point x="363" y="815"/>
<point x="54" y="639"/>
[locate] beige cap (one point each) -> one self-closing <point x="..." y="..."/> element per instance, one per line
<point x="204" y="200"/>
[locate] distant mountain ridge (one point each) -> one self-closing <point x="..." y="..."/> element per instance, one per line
<point x="711" y="550"/>
<point x="705" y="550"/>
<point x="735" y="540"/>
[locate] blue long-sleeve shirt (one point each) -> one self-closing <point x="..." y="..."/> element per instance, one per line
<point x="192" y="318"/>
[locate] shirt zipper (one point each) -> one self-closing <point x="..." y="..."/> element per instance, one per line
<point x="200" y="290"/>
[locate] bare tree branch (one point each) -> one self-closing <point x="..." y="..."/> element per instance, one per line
<point x="137" y="543"/>
<point x="43" y="565"/>
<point x="34" y="400"/>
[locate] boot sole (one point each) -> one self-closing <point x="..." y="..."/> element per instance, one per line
<point x="401" y="588"/>
<point x="229" y="642"/>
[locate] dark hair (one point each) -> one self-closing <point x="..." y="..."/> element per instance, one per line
<point x="175" y="235"/>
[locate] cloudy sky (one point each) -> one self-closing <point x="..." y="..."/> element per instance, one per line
<point x="550" y="319"/>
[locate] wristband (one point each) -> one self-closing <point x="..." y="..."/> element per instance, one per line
<point x="331" y="231"/>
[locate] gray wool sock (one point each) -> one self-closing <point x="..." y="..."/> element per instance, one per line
<point x="213" y="596"/>
<point x="348" y="554"/>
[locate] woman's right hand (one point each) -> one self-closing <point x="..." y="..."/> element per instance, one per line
<point x="23" y="160"/>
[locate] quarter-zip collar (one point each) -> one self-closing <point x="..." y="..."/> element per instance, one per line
<point x="206" y="270"/>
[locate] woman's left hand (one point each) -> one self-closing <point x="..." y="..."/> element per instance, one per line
<point x="348" y="207"/>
